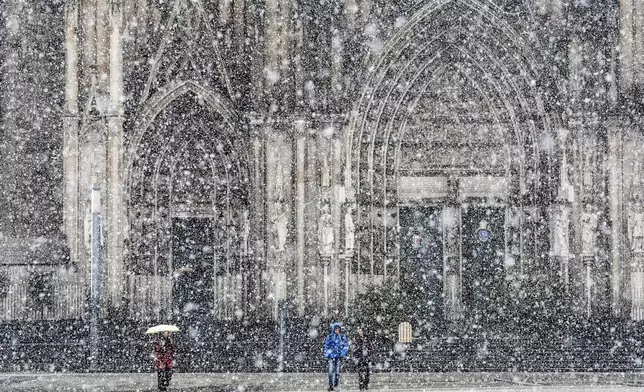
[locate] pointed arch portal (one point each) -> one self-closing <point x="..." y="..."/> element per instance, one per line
<point x="450" y="136"/>
<point x="188" y="185"/>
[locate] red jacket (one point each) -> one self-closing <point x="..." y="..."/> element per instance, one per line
<point x="163" y="353"/>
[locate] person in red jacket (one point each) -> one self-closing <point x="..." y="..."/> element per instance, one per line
<point x="163" y="359"/>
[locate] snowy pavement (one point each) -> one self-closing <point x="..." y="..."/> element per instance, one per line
<point x="268" y="382"/>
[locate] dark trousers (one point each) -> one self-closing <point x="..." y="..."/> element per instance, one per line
<point x="164" y="375"/>
<point x="363" y="375"/>
<point x="335" y="368"/>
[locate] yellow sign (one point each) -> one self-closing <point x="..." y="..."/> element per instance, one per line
<point x="404" y="332"/>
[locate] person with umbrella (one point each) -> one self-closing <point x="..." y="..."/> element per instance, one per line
<point x="164" y="350"/>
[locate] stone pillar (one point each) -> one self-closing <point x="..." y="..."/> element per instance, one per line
<point x="258" y="232"/>
<point x="277" y="48"/>
<point x="327" y="239"/>
<point x="452" y="287"/>
<point x="338" y="30"/>
<point x="560" y="241"/>
<point x="513" y="242"/>
<point x="636" y="240"/>
<point x="638" y="42"/>
<point x="561" y="211"/>
<point x="70" y="135"/>
<point x="115" y="220"/>
<point x="349" y="232"/>
<point x="280" y="222"/>
<point x="314" y="268"/>
<point x="589" y="225"/>
<point x="325" y="261"/>
<point x="337" y="203"/>
<point x="637" y="286"/>
<point x="615" y="194"/>
<point x="631" y="29"/>
<point x="254" y="28"/>
<point x="513" y="261"/>
<point x="626" y="43"/>
<point x="13" y="137"/>
<point x="300" y="203"/>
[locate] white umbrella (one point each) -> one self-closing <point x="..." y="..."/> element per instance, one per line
<point x="162" y="328"/>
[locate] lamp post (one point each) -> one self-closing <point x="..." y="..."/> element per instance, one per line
<point x="95" y="283"/>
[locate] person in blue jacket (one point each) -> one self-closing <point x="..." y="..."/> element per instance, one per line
<point x="336" y="347"/>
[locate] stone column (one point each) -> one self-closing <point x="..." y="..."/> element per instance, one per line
<point x="589" y="221"/>
<point x="452" y="287"/>
<point x="513" y="242"/>
<point x="631" y="30"/>
<point x="561" y="211"/>
<point x="626" y="43"/>
<point x="636" y="240"/>
<point x="314" y="271"/>
<point x="70" y="134"/>
<point x="115" y="220"/>
<point x="338" y="30"/>
<point x="615" y="193"/>
<point x="254" y="29"/>
<point x="258" y="222"/>
<point x="300" y="203"/>
<point x="14" y="136"/>
<point x="337" y="203"/>
<point x="638" y="41"/>
<point x="325" y="222"/>
<point x="560" y="241"/>
<point x="637" y="286"/>
<point x="280" y="222"/>
<point x="348" y="235"/>
<point x="277" y="49"/>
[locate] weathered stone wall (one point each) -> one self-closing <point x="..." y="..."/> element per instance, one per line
<point x="338" y="103"/>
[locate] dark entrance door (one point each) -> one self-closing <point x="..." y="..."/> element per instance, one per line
<point x="192" y="258"/>
<point x="421" y="260"/>
<point x="483" y="247"/>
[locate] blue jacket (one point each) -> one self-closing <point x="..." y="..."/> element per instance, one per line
<point x="336" y="346"/>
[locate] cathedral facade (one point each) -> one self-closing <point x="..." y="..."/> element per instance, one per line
<point x="241" y="148"/>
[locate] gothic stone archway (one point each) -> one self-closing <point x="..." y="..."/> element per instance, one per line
<point x="451" y="115"/>
<point x="188" y="185"/>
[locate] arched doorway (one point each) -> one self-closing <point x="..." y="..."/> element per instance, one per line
<point x="189" y="216"/>
<point x="449" y="157"/>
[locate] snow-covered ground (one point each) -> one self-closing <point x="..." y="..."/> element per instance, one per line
<point x="452" y="382"/>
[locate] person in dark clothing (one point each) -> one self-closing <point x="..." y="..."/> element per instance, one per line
<point x="362" y="354"/>
<point x="163" y="359"/>
<point x="336" y="347"/>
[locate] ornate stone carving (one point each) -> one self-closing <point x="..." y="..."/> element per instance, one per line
<point x="561" y="237"/>
<point x="326" y="229"/>
<point x="245" y="232"/>
<point x="637" y="287"/>
<point x="636" y="226"/>
<point x="589" y="219"/>
<point x="280" y="225"/>
<point x="189" y="50"/>
<point x="514" y="236"/>
<point x="349" y="236"/>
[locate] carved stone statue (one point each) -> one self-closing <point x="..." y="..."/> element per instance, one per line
<point x="589" y="219"/>
<point x="87" y="229"/>
<point x="561" y="245"/>
<point x="280" y="225"/>
<point x="349" y="237"/>
<point x="636" y="227"/>
<point x="245" y="232"/>
<point x="326" y="229"/>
